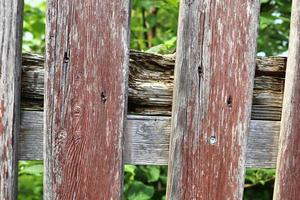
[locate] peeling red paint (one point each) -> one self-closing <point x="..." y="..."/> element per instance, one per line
<point x="86" y="98"/>
<point x="212" y="102"/>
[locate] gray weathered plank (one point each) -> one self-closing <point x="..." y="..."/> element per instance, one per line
<point x="10" y="84"/>
<point x="86" y="71"/>
<point x="151" y="85"/>
<point x="30" y="144"/>
<point x="214" y="77"/>
<point x="287" y="184"/>
<point x="147" y="140"/>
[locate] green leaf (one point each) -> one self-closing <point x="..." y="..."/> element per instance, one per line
<point x="130" y="169"/>
<point x="153" y="173"/>
<point x="139" y="191"/>
<point x="33" y="170"/>
<point x="264" y="1"/>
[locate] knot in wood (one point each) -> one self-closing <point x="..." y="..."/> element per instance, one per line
<point x="77" y="111"/>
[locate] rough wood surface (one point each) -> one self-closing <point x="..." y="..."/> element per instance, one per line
<point x="10" y="84"/>
<point x="147" y="140"/>
<point x="214" y="77"/>
<point x="31" y="141"/>
<point x="86" y="71"/>
<point x="287" y="184"/>
<point x="151" y="85"/>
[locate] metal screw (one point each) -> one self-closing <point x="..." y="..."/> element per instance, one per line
<point x="212" y="140"/>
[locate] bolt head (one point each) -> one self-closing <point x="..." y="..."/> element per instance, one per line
<point x="212" y="140"/>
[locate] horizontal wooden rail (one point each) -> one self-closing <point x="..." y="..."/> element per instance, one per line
<point x="150" y="93"/>
<point x="147" y="140"/>
<point x="151" y="85"/>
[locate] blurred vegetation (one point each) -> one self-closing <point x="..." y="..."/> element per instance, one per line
<point x="30" y="180"/>
<point x="153" y="29"/>
<point x="34" y="26"/>
<point x="154" y="25"/>
<point x="274" y="27"/>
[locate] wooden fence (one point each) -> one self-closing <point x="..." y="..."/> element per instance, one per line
<point x="85" y="132"/>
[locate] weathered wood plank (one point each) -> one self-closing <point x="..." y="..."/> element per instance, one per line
<point x="151" y="85"/>
<point x="10" y="84"/>
<point x="86" y="71"/>
<point x="287" y="182"/>
<point x="147" y="140"/>
<point x="31" y="141"/>
<point x="214" y="78"/>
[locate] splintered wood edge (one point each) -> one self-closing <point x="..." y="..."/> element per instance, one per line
<point x="147" y="140"/>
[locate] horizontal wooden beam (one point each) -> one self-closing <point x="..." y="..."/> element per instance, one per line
<point x="150" y="93"/>
<point x="147" y="140"/>
<point x="151" y="85"/>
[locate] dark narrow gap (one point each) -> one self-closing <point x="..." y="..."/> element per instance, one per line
<point x="272" y="41"/>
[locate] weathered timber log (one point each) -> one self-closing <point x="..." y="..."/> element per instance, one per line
<point x="151" y="85"/>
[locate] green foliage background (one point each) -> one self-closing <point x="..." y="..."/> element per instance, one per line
<point x="154" y="29"/>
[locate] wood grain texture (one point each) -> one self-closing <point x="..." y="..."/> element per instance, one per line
<point x="86" y="72"/>
<point x="31" y="141"/>
<point x="214" y="78"/>
<point x="288" y="174"/>
<point x="10" y="84"/>
<point x="151" y="85"/>
<point x="147" y="140"/>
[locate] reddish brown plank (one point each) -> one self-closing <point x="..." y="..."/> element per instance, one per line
<point x="288" y="171"/>
<point x="10" y="84"/>
<point x="212" y="98"/>
<point x="87" y="66"/>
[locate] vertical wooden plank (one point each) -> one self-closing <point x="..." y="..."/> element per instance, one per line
<point x="87" y="63"/>
<point x="10" y="84"/>
<point x="287" y="182"/>
<point x="212" y="98"/>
